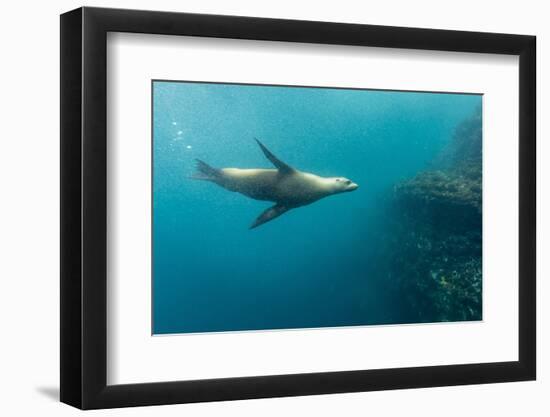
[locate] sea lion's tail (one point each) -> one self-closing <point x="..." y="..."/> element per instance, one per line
<point x="205" y="172"/>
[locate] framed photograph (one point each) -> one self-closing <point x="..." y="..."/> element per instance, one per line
<point x="258" y="208"/>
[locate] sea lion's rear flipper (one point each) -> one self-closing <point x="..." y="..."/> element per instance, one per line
<point x="280" y="165"/>
<point x="205" y="172"/>
<point x="269" y="214"/>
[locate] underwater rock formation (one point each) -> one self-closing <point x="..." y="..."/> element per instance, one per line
<point x="466" y="143"/>
<point x="435" y="268"/>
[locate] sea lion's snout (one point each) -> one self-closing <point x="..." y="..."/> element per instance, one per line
<point x="353" y="186"/>
<point x="343" y="185"/>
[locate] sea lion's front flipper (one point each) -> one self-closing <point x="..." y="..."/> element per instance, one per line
<point x="280" y="165"/>
<point x="269" y="214"/>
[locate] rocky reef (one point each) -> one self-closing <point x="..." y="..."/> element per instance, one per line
<point x="435" y="266"/>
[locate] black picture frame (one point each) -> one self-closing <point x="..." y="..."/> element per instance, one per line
<point x="84" y="207"/>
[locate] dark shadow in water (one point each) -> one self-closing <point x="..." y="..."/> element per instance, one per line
<point x="50" y="392"/>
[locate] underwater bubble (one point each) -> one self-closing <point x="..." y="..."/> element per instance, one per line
<point x="189" y="147"/>
<point x="180" y="132"/>
<point x="174" y="123"/>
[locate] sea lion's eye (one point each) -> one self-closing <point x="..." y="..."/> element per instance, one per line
<point x="337" y="179"/>
<point x="348" y="182"/>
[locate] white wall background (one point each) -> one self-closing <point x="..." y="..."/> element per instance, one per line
<point x="29" y="237"/>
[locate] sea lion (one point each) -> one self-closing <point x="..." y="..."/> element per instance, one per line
<point x="285" y="185"/>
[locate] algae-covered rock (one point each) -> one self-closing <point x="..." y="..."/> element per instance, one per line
<point x="436" y="266"/>
<point x="459" y="187"/>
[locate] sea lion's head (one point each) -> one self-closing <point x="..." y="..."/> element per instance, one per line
<point x="343" y="185"/>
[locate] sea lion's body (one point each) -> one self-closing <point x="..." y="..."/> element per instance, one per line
<point x="294" y="190"/>
<point x="286" y="186"/>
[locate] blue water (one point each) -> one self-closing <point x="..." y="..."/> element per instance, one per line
<point x="311" y="267"/>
